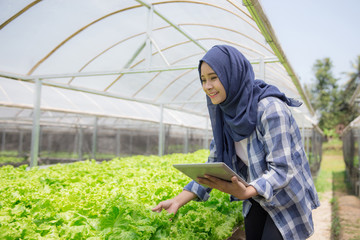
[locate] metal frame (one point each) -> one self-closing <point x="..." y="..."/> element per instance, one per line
<point x="149" y="46"/>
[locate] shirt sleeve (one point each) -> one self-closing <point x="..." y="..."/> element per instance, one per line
<point x="275" y="133"/>
<point x="202" y="193"/>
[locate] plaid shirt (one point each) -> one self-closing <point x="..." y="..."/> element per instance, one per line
<point x="278" y="169"/>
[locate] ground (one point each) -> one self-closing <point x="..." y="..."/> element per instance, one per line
<point x="322" y="218"/>
<point x="338" y="217"/>
<point x="349" y="214"/>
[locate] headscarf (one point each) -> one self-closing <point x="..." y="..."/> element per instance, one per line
<point x="235" y="119"/>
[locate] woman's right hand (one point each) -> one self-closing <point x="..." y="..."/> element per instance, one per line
<point x="173" y="205"/>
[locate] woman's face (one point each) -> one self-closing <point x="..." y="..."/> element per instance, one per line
<point x="211" y="84"/>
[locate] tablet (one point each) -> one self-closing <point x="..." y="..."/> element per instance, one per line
<point x="216" y="169"/>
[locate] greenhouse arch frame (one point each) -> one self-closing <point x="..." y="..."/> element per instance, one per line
<point x="45" y="78"/>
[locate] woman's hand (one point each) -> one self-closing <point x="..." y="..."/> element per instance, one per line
<point x="235" y="187"/>
<point x="173" y="205"/>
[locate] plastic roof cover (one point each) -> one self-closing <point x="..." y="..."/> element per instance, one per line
<point x="122" y="59"/>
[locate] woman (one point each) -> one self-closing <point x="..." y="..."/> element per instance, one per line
<point x="256" y="135"/>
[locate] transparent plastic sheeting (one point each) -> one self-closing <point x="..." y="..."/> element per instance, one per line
<point x="59" y="106"/>
<point x="124" y="58"/>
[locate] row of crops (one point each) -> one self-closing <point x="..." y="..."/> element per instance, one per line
<point x="16" y="159"/>
<point x="109" y="200"/>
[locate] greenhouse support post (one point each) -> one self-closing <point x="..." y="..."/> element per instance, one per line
<point x="35" y="134"/>
<point x="117" y="142"/>
<point x="40" y="140"/>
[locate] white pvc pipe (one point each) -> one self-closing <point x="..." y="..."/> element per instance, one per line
<point x="35" y="134"/>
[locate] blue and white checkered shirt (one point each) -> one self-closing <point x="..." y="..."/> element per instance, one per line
<point x="278" y="169"/>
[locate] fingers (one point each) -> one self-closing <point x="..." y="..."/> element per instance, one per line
<point x="211" y="177"/>
<point x="206" y="181"/>
<point x="172" y="210"/>
<point x="208" y="178"/>
<point x="234" y="179"/>
<point x="169" y="208"/>
<point x="212" y="182"/>
<point x="224" y="186"/>
<point x="158" y="208"/>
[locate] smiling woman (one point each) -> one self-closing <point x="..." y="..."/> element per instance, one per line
<point x="251" y="116"/>
<point x="212" y="85"/>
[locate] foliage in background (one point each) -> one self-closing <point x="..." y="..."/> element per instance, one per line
<point x="111" y="200"/>
<point x="331" y="102"/>
<point x="354" y="77"/>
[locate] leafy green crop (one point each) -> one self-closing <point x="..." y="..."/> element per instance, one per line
<point x="111" y="200"/>
<point x="11" y="159"/>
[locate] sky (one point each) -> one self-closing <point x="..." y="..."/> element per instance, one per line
<point x="309" y="30"/>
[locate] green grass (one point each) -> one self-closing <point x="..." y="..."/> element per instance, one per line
<point x="332" y="162"/>
<point x="333" y="147"/>
<point x="322" y="182"/>
<point x="335" y="222"/>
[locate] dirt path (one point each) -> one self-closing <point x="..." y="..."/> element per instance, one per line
<point x="322" y="218"/>
<point x="349" y="215"/>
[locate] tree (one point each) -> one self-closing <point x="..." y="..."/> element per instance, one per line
<point x="325" y="96"/>
<point x="354" y="78"/>
<point x="331" y="102"/>
<point x="350" y="110"/>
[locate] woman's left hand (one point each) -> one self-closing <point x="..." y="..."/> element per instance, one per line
<point x="235" y="187"/>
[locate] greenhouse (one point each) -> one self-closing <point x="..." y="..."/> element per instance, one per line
<point x="351" y="151"/>
<point x="97" y="80"/>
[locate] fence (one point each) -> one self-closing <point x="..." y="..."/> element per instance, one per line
<point x="312" y="140"/>
<point x="68" y="144"/>
<point x="351" y="152"/>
